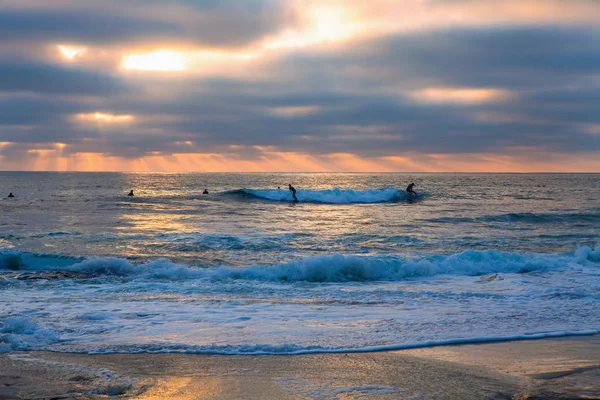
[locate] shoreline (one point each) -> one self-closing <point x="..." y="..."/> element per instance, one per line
<point x="551" y="368"/>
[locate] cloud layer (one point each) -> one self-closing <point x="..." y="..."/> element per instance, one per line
<point x="269" y="85"/>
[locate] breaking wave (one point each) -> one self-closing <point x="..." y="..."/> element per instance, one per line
<point x="332" y="196"/>
<point x="330" y="268"/>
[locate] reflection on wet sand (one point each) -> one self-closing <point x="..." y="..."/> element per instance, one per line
<point x="183" y="388"/>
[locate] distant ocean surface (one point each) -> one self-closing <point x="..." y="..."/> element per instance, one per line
<point x="357" y="265"/>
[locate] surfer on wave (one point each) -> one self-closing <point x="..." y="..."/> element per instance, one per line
<point x="409" y="188"/>
<point x="293" y="191"/>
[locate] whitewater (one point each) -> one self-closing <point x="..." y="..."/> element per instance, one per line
<point x="334" y="196"/>
<point x="357" y="265"/>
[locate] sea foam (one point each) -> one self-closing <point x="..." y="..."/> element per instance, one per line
<point x="264" y="349"/>
<point x="19" y="333"/>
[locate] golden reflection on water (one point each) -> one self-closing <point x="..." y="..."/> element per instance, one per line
<point x="152" y="222"/>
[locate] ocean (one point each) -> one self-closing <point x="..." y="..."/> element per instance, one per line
<point x="357" y="264"/>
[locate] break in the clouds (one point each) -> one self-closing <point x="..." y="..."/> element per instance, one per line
<point x="267" y="85"/>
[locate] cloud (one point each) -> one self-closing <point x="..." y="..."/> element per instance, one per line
<point x="459" y="95"/>
<point x="202" y="22"/>
<point x="490" y="88"/>
<point x="57" y="79"/>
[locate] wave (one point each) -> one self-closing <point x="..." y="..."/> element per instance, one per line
<point x="543" y="218"/>
<point x="332" y="196"/>
<point x="330" y="268"/>
<point x="528" y="218"/>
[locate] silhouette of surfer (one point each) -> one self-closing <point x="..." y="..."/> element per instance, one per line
<point x="130" y="193"/>
<point x="409" y="188"/>
<point x="12" y="195"/>
<point x="293" y="191"/>
<point x="205" y="191"/>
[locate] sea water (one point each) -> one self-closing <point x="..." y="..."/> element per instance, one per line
<point x="357" y="264"/>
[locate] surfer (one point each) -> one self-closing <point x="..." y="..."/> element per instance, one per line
<point x="293" y="191"/>
<point x="205" y="191"/>
<point x="409" y="188"/>
<point x="12" y="195"/>
<point x="130" y="193"/>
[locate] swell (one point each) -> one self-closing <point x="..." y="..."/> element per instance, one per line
<point x="330" y="268"/>
<point x="528" y="218"/>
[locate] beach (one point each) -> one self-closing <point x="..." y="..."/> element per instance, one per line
<point x="300" y="199"/>
<point x="564" y="368"/>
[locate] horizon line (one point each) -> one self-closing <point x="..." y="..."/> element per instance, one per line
<point x="305" y="172"/>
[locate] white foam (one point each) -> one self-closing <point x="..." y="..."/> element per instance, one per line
<point x="263" y="349"/>
<point x="19" y="333"/>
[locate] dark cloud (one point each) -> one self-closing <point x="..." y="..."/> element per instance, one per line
<point x="79" y="26"/>
<point x="24" y="110"/>
<point x="519" y="58"/>
<point x="56" y="79"/>
<point x="227" y="23"/>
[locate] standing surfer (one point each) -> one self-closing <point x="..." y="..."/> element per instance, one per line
<point x="293" y="191"/>
<point x="409" y="188"/>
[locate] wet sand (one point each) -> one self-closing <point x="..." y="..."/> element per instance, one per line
<point x="566" y="368"/>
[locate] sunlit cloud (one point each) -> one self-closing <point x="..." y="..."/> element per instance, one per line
<point x="326" y="22"/>
<point x="459" y="95"/>
<point x="293" y="111"/>
<point x="71" y="52"/>
<point x="592" y="129"/>
<point x="331" y="21"/>
<point x="320" y="24"/>
<point x="193" y="61"/>
<point x="105" y="117"/>
<point x="160" y="60"/>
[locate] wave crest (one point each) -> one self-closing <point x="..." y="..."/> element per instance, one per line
<point x="333" y="196"/>
<point x="330" y="268"/>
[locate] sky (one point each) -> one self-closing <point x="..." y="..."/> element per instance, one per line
<point x="300" y="85"/>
